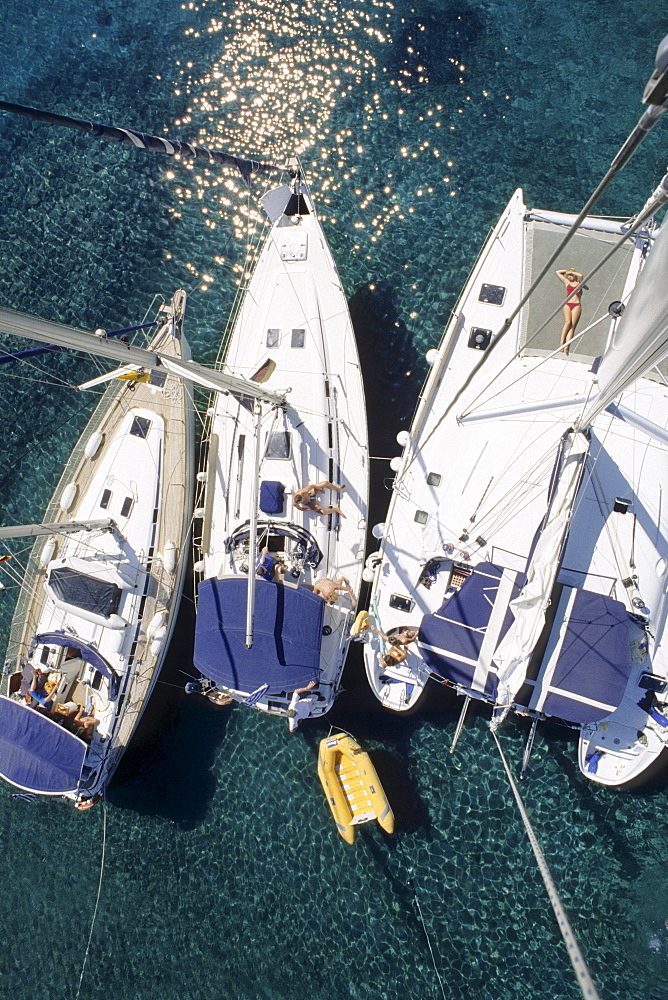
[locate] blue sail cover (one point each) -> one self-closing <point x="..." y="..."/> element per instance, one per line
<point x="587" y="663"/>
<point x="287" y="634"/>
<point x="457" y="641"/>
<point x="37" y="754"/>
<point x="88" y="654"/>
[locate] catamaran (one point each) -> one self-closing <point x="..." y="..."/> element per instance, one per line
<point x="283" y="487"/>
<point x="524" y="558"/>
<point x="101" y="590"/>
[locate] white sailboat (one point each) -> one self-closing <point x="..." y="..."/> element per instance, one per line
<point x="258" y="641"/>
<point x="293" y="419"/>
<point x="102" y="586"/>
<point x="525" y="540"/>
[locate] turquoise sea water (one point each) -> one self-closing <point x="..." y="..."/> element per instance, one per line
<point x="223" y="876"/>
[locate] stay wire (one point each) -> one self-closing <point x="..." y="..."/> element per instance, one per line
<point x="582" y="974"/>
<point x="416" y="897"/>
<point x="647" y="121"/>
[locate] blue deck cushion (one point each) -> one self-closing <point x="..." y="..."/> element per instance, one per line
<point x="587" y="663"/>
<point x="287" y="635"/>
<point x="87" y="653"/>
<point x="37" y="754"/>
<point x="457" y="641"/>
<point x="272" y="496"/>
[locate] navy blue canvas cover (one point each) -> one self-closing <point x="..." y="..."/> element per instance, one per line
<point x="85" y="592"/>
<point x="457" y="630"/>
<point x="37" y="754"/>
<point x="594" y="661"/>
<point x="272" y="496"/>
<point x="287" y="635"/>
<point x="87" y="653"/>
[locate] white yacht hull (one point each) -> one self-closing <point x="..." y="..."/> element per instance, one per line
<point x="294" y="317"/>
<point x="473" y="489"/>
<point x="133" y="464"/>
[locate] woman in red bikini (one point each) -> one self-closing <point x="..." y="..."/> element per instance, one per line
<point x="572" y="309"/>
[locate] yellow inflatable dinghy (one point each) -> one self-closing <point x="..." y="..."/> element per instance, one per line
<point x="351" y="785"/>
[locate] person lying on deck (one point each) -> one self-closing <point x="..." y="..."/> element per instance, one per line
<point x="396" y="651"/>
<point x="305" y="498"/>
<point x="84" y="725"/>
<point x="329" y="589"/>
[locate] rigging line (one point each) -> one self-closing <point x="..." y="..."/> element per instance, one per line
<point x="40" y="381"/>
<point x="616" y="246"/>
<point x="582" y="974"/>
<point x="555" y="353"/>
<point x="99" y="890"/>
<point x="413" y="883"/>
<point x="519" y="490"/>
<point x="506" y="326"/>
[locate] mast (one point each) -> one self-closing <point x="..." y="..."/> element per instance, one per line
<point x="252" y="537"/>
<point x="24" y="325"/>
<point x="640" y="341"/>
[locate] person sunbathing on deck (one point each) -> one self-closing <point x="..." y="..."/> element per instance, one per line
<point x="305" y="498"/>
<point x="396" y="651"/>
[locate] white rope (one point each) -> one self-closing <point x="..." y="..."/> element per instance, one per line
<point x="576" y="957"/>
<point x="421" y="916"/>
<point x="99" y="890"/>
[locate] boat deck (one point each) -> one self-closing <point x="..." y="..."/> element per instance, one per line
<point x="583" y="252"/>
<point x="118" y="399"/>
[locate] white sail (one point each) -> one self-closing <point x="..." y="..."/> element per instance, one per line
<point x="515" y="650"/>
<point x="640" y="341"/>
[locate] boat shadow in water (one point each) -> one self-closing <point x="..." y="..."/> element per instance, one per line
<point x="393" y="371"/>
<point x="167" y="770"/>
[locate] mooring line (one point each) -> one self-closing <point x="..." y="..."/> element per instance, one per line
<point x="584" y="980"/>
<point x="99" y="890"/>
<point x="421" y="915"/>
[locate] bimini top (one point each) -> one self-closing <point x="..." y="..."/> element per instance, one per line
<point x="287" y="634"/>
<point x="88" y="654"/>
<point x="37" y="754"/>
<point x="458" y="641"/>
<point x="587" y="660"/>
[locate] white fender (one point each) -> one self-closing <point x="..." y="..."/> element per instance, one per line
<point x="69" y="496"/>
<point x="158" y="640"/>
<point x="169" y="557"/>
<point x="156" y="623"/>
<point x="48" y="552"/>
<point x="93" y="444"/>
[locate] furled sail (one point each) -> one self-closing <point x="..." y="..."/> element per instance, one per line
<point x="514" y="653"/>
<point x="640" y="341"/>
<point x="140" y="140"/>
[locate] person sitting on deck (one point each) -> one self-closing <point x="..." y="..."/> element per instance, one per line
<point x="396" y="651"/>
<point x="40" y="691"/>
<point x="329" y="589"/>
<point x="270" y="567"/>
<point x="305" y="498"/>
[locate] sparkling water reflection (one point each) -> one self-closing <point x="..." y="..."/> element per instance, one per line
<point x="224" y="876"/>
